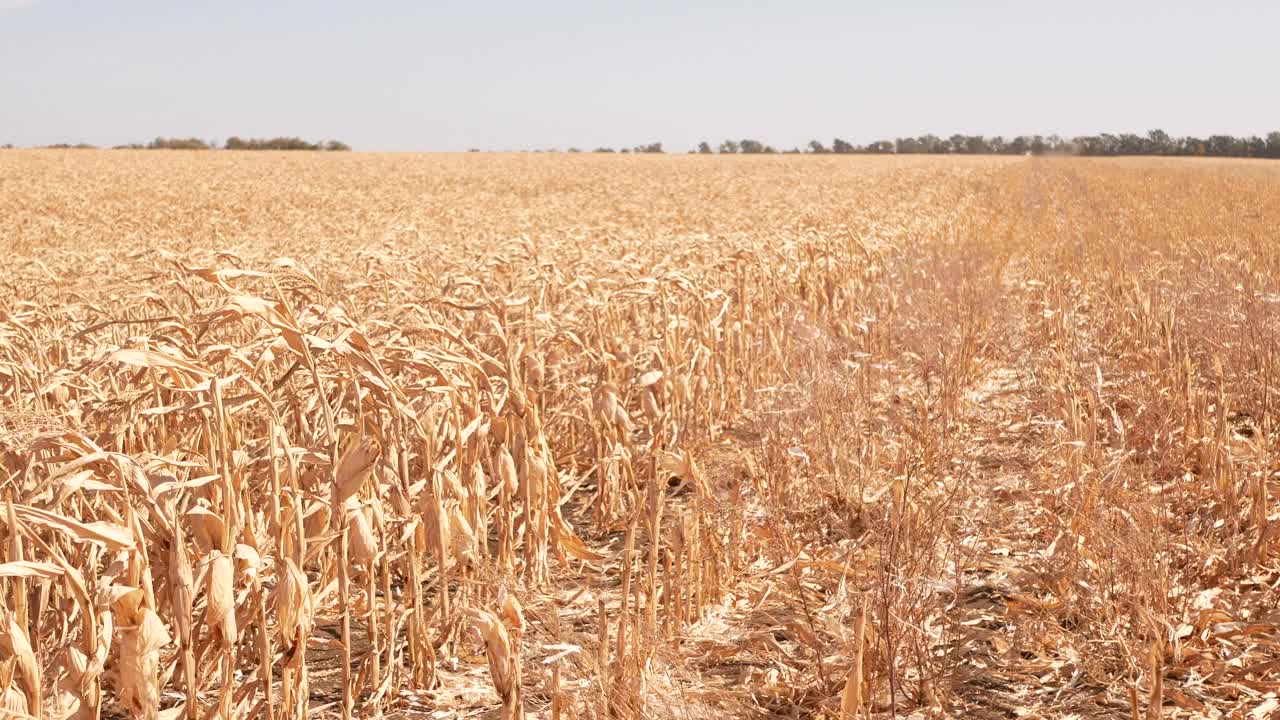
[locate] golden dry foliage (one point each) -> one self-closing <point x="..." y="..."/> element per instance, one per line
<point x="685" y="437"/>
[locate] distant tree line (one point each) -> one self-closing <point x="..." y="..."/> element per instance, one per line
<point x="746" y="147"/>
<point x="233" y="143"/>
<point x="283" y="143"/>
<point x="651" y="148"/>
<point x="654" y="148"/>
<point x="162" y="143"/>
<point x="1155" y="142"/>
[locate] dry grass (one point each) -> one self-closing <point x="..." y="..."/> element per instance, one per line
<point x="582" y="437"/>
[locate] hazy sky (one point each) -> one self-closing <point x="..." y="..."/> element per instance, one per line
<point x="405" y="75"/>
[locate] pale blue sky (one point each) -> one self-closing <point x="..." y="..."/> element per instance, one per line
<point x="401" y="75"/>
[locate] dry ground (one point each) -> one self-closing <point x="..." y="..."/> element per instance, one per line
<point x="686" y="437"/>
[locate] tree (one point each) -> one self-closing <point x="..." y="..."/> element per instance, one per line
<point x="933" y="144"/>
<point x="1131" y="144"/>
<point x="976" y="145"/>
<point x="162" y="143"/>
<point x="841" y="147"/>
<point x="728" y="147"/>
<point x="1220" y="145"/>
<point x="1159" y="142"/>
<point x="1192" y="146"/>
<point x="704" y="148"/>
<point x="908" y="146"/>
<point x="751" y="147"/>
<point x="817" y="148"/>
<point x="277" y="143"/>
<point x="1273" y="144"/>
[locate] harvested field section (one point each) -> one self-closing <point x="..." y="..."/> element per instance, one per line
<point x="687" y="437"/>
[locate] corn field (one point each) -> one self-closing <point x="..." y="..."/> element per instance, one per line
<point x="569" y="436"/>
